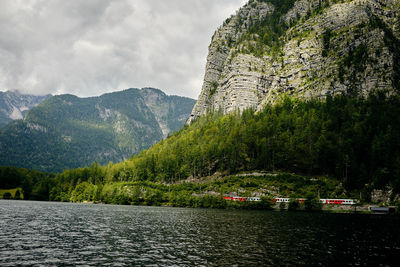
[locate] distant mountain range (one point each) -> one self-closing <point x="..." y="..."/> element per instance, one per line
<point x="14" y="105"/>
<point x="66" y="131"/>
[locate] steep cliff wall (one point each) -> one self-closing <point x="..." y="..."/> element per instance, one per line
<point x="304" y="48"/>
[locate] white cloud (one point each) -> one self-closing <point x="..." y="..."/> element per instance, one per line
<point x="96" y="46"/>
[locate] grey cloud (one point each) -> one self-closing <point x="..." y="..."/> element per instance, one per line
<point x="95" y="46"/>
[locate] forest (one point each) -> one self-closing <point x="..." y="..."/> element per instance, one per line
<point x="349" y="142"/>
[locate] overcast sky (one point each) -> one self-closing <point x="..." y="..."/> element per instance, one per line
<point x="90" y="47"/>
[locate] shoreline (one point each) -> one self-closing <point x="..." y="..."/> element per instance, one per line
<point x="364" y="209"/>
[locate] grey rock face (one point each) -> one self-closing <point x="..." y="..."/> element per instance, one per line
<point x="351" y="47"/>
<point x="14" y="105"/>
<point x="170" y="112"/>
<point x="219" y="54"/>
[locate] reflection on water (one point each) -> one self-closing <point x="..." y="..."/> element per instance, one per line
<point x="33" y="233"/>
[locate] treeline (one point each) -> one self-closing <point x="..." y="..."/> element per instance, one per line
<point x="355" y="140"/>
<point x="35" y="185"/>
<point x="156" y="194"/>
<point x="205" y="192"/>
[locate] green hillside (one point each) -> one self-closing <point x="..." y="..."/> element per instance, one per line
<point x="68" y="132"/>
<point x="14" y="193"/>
<point x="353" y="141"/>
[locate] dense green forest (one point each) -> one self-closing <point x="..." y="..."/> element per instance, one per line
<point x="35" y="185"/>
<point x="354" y="140"/>
<point x="338" y="147"/>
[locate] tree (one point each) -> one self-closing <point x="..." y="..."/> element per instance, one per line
<point x="17" y="195"/>
<point x="312" y="203"/>
<point x="7" y="195"/>
<point x="293" y="205"/>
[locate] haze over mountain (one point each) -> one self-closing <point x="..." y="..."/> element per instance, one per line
<point x="14" y="105"/>
<point x="66" y="131"/>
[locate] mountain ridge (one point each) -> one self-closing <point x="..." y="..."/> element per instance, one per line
<point x="14" y="105"/>
<point x="66" y="131"/>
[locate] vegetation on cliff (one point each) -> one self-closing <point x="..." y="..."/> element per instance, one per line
<point x="303" y="48"/>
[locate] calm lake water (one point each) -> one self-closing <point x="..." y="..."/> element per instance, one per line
<point x="45" y="233"/>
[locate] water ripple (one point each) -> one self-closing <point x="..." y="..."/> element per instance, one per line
<point x="44" y="233"/>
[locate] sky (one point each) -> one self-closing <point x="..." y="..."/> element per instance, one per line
<point x="91" y="47"/>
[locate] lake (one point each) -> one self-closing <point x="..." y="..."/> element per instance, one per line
<point x="36" y="233"/>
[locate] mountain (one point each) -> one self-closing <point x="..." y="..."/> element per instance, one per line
<point x="305" y="48"/>
<point x="66" y="131"/>
<point x="323" y="78"/>
<point x="14" y="105"/>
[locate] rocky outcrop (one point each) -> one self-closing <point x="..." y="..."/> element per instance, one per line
<point x="325" y="48"/>
<point x="169" y="111"/>
<point x="14" y="105"/>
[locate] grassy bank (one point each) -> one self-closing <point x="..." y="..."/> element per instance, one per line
<point x="207" y="191"/>
<point x="13" y="193"/>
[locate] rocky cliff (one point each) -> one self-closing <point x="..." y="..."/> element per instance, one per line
<point x="14" y="105"/>
<point x="304" y="48"/>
